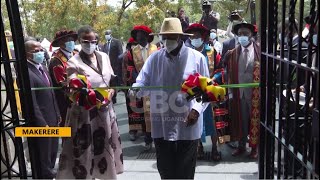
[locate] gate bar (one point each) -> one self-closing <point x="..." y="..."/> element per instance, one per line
<point x="23" y="79"/>
<point x="14" y="112"/>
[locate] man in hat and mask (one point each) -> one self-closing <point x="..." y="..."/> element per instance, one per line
<point x="176" y="123"/>
<point x="65" y="40"/>
<point x="209" y="18"/>
<point x="200" y="34"/>
<point x="243" y="66"/>
<point x="140" y="54"/>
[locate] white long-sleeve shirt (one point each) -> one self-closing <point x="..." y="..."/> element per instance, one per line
<point x="168" y="106"/>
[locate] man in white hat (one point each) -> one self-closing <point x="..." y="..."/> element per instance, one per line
<point x="176" y="123"/>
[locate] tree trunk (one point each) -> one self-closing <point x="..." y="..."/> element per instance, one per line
<point x="120" y="16"/>
<point x="27" y="24"/>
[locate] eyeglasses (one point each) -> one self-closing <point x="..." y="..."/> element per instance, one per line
<point x="88" y="42"/>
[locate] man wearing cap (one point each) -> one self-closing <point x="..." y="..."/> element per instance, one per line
<point x="176" y="123"/>
<point x="200" y="34"/>
<point x="209" y="18"/>
<point x="65" y="40"/>
<point x="140" y="54"/>
<point x="113" y="47"/>
<point x="243" y="66"/>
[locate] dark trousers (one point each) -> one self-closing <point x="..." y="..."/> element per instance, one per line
<point x="48" y="149"/>
<point x="176" y="159"/>
<point x="245" y="113"/>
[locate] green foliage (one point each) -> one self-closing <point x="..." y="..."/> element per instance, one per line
<point x="42" y="18"/>
<point x="4" y="14"/>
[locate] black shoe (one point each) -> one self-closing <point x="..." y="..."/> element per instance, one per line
<point x="148" y="147"/>
<point x="133" y="136"/>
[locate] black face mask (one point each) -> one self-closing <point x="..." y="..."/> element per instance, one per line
<point x="142" y="40"/>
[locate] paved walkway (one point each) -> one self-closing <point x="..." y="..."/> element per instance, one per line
<point x="137" y="167"/>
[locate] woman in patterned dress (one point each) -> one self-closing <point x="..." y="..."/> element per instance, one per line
<point x="94" y="149"/>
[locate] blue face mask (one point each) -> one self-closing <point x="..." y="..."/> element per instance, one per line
<point x="244" y="40"/>
<point x="213" y="35"/>
<point x="70" y="46"/>
<point x="38" y="57"/>
<point x="315" y="39"/>
<point x="196" y="42"/>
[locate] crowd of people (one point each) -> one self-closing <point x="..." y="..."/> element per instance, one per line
<point x="175" y="126"/>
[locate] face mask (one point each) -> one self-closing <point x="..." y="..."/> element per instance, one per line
<point x="196" y="42"/>
<point x="315" y="39"/>
<point x="38" y="57"/>
<point x="243" y="40"/>
<point x="213" y="35"/>
<point x="88" y="48"/>
<point x="69" y="46"/>
<point x="170" y="44"/>
<point x="108" y="37"/>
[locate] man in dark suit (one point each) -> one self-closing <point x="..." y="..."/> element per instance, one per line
<point x="113" y="47"/>
<point x="45" y="108"/>
<point x="228" y="45"/>
<point x="209" y="19"/>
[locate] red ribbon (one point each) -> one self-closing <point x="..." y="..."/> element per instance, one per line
<point x="220" y="112"/>
<point x="221" y="124"/>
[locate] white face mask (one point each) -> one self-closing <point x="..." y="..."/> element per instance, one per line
<point x="108" y="37"/>
<point x="170" y="44"/>
<point x="88" y="48"/>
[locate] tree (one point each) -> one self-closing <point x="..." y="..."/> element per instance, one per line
<point x="42" y="18"/>
<point x="124" y="6"/>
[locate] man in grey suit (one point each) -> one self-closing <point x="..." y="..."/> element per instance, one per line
<point x="45" y="107"/>
<point x="243" y="66"/>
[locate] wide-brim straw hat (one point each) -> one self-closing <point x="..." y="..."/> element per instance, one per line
<point x="171" y="26"/>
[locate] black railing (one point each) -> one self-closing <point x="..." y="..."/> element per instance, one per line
<point x="289" y="139"/>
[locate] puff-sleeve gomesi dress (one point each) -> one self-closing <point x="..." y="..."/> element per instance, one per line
<point x="94" y="150"/>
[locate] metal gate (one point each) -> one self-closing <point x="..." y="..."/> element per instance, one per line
<point x="15" y="71"/>
<point x="289" y="139"/>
